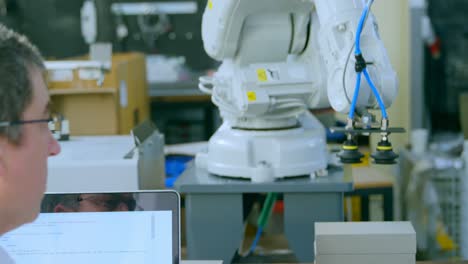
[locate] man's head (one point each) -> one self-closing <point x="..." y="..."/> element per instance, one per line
<point x="64" y="203"/>
<point x="24" y="148"/>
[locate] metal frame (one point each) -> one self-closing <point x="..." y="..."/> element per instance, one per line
<point x="418" y="109"/>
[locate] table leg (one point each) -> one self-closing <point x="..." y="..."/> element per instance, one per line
<point x="365" y="214"/>
<point x="301" y="211"/>
<point x="214" y="226"/>
<point x="388" y="204"/>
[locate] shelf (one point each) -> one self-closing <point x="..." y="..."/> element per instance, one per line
<point x="72" y="91"/>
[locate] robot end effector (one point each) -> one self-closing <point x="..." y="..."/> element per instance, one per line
<point x="371" y="84"/>
<point x="381" y="87"/>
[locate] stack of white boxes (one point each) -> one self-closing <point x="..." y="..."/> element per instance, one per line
<point x="365" y="243"/>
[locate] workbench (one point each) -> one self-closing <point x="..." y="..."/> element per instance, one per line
<point x="214" y="206"/>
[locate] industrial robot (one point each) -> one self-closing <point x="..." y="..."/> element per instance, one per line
<point x="281" y="58"/>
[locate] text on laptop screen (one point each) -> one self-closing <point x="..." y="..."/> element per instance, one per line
<point x="111" y="237"/>
<point x="99" y="228"/>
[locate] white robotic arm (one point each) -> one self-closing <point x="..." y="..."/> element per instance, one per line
<point x="279" y="59"/>
<point x="300" y="44"/>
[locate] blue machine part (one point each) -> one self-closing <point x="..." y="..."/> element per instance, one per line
<point x="336" y="136"/>
<point x="175" y="166"/>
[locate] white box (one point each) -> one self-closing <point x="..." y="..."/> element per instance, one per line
<point x="364" y="238"/>
<point x="366" y="259"/>
<point x="93" y="164"/>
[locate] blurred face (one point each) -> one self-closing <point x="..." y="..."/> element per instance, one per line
<point x="102" y="203"/>
<point x="25" y="165"/>
<point x="99" y="203"/>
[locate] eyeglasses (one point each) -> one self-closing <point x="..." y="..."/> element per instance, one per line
<point x="111" y="203"/>
<point x="53" y="123"/>
<point x="23" y="122"/>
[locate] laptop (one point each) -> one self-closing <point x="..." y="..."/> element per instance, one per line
<point x="139" y="227"/>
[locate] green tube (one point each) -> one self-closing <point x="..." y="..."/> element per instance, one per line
<point x="267" y="209"/>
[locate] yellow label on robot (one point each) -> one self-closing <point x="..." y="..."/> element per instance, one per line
<point x="262" y="75"/>
<point x="251" y="96"/>
<point x="210" y="4"/>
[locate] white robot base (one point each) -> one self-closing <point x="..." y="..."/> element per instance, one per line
<point x="264" y="156"/>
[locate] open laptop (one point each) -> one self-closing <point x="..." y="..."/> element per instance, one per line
<point x="140" y="227"/>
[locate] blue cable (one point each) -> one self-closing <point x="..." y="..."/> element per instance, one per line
<point x="360" y="28"/>
<point x="358" y="52"/>
<point x="257" y="238"/>
<point x="355" y="97"/>
<point x="376" y="93"/>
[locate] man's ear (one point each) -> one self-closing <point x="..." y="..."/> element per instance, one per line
<point x="59" y="208"/>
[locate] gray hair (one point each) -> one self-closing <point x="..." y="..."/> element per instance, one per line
<point x="17" y="57"/>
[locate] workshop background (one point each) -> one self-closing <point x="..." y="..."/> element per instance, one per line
<point x="156" y="63"/>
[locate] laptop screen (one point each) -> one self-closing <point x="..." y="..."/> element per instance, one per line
<point x="99" y="228"/>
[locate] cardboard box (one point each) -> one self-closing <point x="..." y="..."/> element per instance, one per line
<point x="115" y="108"/>
<point x="464" y="114"/>
<point x="365" y="238"/>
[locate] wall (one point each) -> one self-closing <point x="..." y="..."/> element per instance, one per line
<point x="393" y="19"/>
